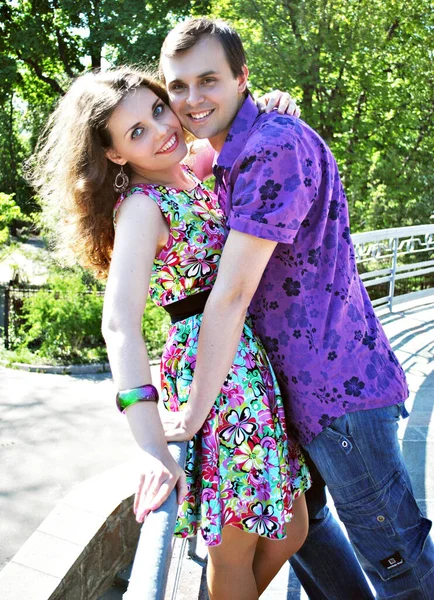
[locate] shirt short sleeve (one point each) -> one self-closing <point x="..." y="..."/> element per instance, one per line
<point x="274" y="188"/>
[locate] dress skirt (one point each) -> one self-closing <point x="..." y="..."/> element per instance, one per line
<point x="242" y="469"/>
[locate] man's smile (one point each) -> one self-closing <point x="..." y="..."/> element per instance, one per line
<point x="200" y="116"/>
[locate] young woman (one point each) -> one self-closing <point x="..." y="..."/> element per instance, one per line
<point x="112" y="157"/>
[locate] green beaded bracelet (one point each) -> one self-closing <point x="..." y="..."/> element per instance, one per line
<point x="143" y="393"/>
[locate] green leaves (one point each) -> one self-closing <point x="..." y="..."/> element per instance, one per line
<point x="44" y="43"/>
<point x="9" y="212"/>
<point x="361" y="69"/>
<point x="363" y="72"/>
<point x="62" y="321"/>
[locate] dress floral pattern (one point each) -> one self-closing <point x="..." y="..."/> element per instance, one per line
<point x="242" y="469"/>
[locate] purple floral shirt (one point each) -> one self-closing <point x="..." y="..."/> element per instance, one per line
<point x="276" y="179"/>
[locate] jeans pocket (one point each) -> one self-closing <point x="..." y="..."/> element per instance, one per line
<point x="387" y="528"/>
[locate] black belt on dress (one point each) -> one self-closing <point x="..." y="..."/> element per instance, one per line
<point x="192" y="305"/>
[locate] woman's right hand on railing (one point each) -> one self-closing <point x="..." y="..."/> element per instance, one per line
<point x="160" y="474"/>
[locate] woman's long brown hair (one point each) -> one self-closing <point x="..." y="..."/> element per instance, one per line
<point x="70" y="171"/>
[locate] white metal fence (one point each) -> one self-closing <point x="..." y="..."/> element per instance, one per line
<point x="385" y="256"/>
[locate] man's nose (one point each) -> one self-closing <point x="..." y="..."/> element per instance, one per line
<point x="195" y="96"/>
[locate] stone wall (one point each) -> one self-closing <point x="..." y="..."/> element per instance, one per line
<point x="77" y="550"/>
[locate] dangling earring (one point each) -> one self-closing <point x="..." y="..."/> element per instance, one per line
<point x="121" y="182"/>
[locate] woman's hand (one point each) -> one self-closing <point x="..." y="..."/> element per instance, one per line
<point x="178" y="426"/>
<point x="160" y="475"/>
<point x="282" y="101"/>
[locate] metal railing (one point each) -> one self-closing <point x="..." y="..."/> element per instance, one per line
<point x="11" y="302"/>
<point x="391" y="253"/>
<point x="151" y="564"/>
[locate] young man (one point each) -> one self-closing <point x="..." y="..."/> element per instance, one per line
<point x="290" y="259"/>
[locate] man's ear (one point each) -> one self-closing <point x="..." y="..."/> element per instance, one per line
<point x="243" y="79"/>
<point x="112" y="155"/>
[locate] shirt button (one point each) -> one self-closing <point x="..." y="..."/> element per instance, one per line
<point x="381" y="519"/>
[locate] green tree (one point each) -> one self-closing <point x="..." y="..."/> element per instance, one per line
<point x="363" y="72"/>
<point x="43" y="43"/>
<point x="14" y="147"/>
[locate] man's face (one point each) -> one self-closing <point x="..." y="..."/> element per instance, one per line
<point x="203" y="92"/>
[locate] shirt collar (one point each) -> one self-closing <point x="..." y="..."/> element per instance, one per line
<point x="238" y="133"/>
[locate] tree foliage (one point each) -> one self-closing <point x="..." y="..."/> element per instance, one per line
<point x="64" y="321"/>
<point x="361" y="69"/>
<point x="9" y="212"/>
<point x="61" y="321"/>
<point x="363" y="72"/>
<point x="44" y="43"/>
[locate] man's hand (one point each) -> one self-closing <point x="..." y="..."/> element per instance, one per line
<point x="178" y="426"/>
<point x="159" y="477"/>
<point x="282" y="101"/>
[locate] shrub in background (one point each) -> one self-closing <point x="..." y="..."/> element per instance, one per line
<point x="155" y="325"/>
<point x="61" y="323"/>
<point x="10" y="213"/>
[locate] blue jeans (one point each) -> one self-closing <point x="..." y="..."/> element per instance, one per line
<point x="359" y="459"/>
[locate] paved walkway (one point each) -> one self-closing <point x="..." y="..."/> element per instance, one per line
<point x="411" y="331"/>
<point x="26" y="259"/>
<point x="58" y="430"/>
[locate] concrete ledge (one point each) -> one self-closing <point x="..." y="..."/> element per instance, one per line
<point x="75" y="552"/>
<point x="64" y="369"/>
<point x="59" y="369"/>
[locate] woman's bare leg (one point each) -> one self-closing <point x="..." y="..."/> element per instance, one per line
<point x="230" y="566"/>
<point x="271" y="555"/>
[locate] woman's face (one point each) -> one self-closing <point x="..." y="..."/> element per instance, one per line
<point x="146" y="134"/>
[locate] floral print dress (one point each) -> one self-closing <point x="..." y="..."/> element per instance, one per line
<point x="242" y="470"/>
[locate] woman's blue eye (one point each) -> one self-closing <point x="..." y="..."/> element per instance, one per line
<point x="136" y="132"/>
<point x="158" y="110"/>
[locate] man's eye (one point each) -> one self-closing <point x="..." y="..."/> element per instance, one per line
<point x="209" y="80"/>
<point x="158" y="110"/>
<point x="177" y="87"/>
<point x="137" y="132"/>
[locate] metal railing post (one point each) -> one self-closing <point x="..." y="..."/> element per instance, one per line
<point x="154" y="551"/>
<point x="392" y="280"/>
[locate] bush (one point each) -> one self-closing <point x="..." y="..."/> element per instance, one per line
<point x="10" y="212"/>
<point x="155" y="325"/>
<point x="61" y="323"/>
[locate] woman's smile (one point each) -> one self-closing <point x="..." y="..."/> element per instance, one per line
<point x="170" y="145"/>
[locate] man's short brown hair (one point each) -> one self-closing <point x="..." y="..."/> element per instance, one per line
<point x="187" y="34"/>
